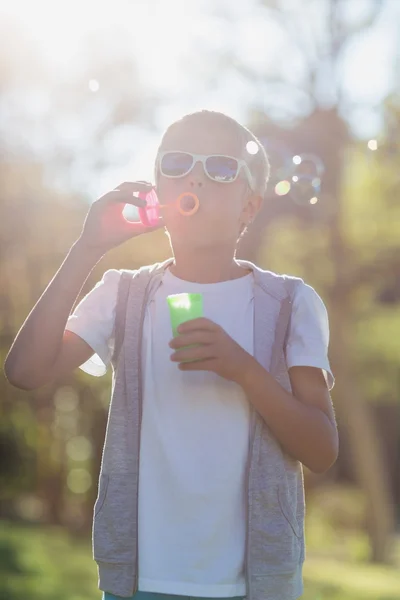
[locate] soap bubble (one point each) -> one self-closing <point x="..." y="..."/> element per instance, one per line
<point x="298" y="176"/>
<point x="308" y="164"/>
<point x="280" y="159"/>
<point x="307" y="171"/>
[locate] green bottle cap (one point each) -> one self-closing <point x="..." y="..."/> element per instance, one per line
<point x="184" y="307"/>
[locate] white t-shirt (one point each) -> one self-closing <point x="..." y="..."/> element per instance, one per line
<point x="195" y="432"/>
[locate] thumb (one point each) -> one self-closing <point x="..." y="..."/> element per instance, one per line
<point x="137" y="227"/>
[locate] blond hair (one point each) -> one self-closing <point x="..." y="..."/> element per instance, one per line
<point x="258" y="162"/>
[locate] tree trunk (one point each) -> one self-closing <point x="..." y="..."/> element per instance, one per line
<point x="353" y="411"/>
<point x="367" y="455"/>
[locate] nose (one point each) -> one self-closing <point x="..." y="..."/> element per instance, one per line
<point x="197" y="176"/>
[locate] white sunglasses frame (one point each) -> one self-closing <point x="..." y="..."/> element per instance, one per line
<point x="202" y="159"/>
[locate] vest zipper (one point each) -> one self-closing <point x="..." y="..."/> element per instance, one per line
<point x="140" y="336"/>
<point x="249" y="463"/>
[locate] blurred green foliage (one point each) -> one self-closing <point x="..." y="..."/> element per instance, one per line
<point x="51" y="440"/>
<point x="44" y="563"/>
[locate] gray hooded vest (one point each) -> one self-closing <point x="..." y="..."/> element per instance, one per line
<point x="275" y="548"/>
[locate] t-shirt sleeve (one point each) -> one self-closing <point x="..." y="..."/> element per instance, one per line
<point x="308" y="338"/>
<point x="94" y="321"/>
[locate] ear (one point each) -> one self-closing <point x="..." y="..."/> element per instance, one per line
<point x="252" y="205"/>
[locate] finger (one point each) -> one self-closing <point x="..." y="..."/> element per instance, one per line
<point x="137" y="228"/>
<point x="159" y="225"/>
<point x="123" y="198"/>
<point x="134" y="186"/>
<point x="200" y="365"/>
<point x="193" y="337"/>
<point x="198" y="324"/>
<point x="123" y="193"/>
<point x="193" y="353"/>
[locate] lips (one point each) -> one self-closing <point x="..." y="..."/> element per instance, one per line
<point x="187" y="203"/>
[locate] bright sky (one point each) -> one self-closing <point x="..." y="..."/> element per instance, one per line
<point x="165" y="35"/>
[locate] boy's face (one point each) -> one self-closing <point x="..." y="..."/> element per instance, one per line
<point x="224" y="208"/>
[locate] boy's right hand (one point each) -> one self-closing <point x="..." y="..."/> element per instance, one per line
<point x="105" y="226"/>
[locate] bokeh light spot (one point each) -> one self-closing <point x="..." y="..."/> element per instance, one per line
<point x="252" y="147"/>
<point x="297" y="160"/>
<point x="30" y="508"/>
<point x="94" y="85"/>
<point x="79" y="481"/>
<point x="282" y="188"/>
<point x="373" y="145"/>
<point x="79" y="448"/>
<point x="314" y="200"/>
<point x="66" y="399"/>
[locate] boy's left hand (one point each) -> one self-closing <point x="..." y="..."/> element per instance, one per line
<point x="212" y="349"/>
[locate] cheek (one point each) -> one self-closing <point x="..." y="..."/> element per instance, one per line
<point x="167" y="190"/>
<point x="231" y="201"/>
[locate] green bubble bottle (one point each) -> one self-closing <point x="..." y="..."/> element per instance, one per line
<point x="184" y="307"/>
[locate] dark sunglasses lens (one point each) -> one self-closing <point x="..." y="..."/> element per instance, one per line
<point x="176" y="164"/>
<point x="222" y="168"/>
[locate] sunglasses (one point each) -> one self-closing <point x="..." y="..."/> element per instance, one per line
<point x="218" y="167"/>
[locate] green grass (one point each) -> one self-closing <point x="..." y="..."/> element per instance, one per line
<point x="332" y="579"/>
<point x="44" y="563"/>
<point x="338" y="550"/>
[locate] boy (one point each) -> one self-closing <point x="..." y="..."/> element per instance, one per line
<point x="201" y="491"/>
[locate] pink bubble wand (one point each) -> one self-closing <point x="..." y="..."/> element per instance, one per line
<point x="149" y="215"/>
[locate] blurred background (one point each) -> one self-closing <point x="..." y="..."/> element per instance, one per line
<point x="86" y="90"/>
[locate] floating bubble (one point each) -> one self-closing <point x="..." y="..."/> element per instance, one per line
<point x="308" y="164"/>
<point x="280" y="159"/>
<point x="297" y="175"/>
<point x="303" y="193"/>
<point x="307" y="170"/>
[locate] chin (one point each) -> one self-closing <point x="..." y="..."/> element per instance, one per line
<point x="197" y="235"/>
<point x="192" y="242"/>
